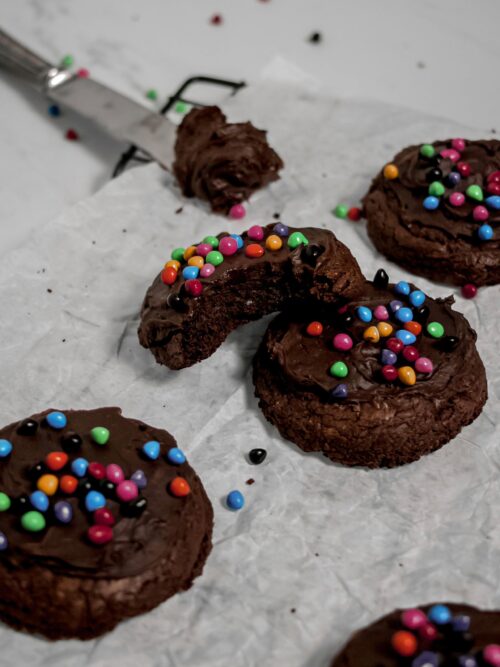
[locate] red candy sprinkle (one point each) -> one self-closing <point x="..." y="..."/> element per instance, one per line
<point x="354" y="214"/>
<point x="56" y="460"/>
<point x="103" y="517"/>
<point x="68" y="484"/>
<point x="428" y="632"/>
<point x="72" y="135"/>
<point x="411" y="353"/>
<point x="169" y="275"/>
<point x="100" y="534"/>
<point x="390" y="373"/>
<point x="493" y="188"/>
<point x="194" y="287"/>
<point x="179" y="487"/>
<point x="97" y="470"/>
<point x="314" y="329"/>
<point x="463" y="168"/>
<point x="494" y="177"/>
<point x="413" y="327"/>
<point x="405" y="643"/>
<point x="469" y="291"/>
<point x="216" y="19"/>
<point x="395" y="345"/>
<point x="83" y="73"/>
<point x="254" y="250"/>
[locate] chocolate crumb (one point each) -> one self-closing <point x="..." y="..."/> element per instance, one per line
<point x="315" y="38"/>
<point x="250" y="481"/>
<point x="179" y="210"/>
<point x="293" y="610"/>
<point x="49" y="290"/>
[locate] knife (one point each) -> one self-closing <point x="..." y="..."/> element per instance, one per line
<point x="118" y="115"/>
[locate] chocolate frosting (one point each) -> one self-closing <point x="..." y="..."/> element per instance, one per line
<point x="304" y="361"/>
<point x="371" y="647"/>
<point x="169" y="527"/>
<point x="222" y="163"/>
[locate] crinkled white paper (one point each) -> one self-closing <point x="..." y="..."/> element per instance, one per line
<point x="319" y="550"/>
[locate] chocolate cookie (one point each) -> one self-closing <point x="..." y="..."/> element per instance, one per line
<point x="438" y="635"/>
<point x="222" y="163"/>
<point x="101" y="519"/>
<point x="209" y="289"/>
<point x="436" y="211"/>
<point x="379" y="382"/>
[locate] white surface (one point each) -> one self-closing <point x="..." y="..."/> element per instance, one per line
<point x="338" y="545"/>
<point x="370" y="49"/>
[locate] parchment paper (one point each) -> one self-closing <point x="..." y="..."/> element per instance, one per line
<point x="319" y="550"/>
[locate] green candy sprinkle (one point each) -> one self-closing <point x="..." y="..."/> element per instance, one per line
<point x="33" y="521"/>
<point x="4" y="502"/>
<point x="181" y="107"/>
<point x="152" y="94"/>
<point x="435" y="329"/>
<point x="214" y="257"/>
<point x="100" y="435"/>
<point x="436" y="189"/>
<point x="474" y="192"/>
<point x="427" y="150"/>
<point x="340" y="211"/>
<point x="67" y="61"/>
<point x="211" y="240"/>
<point x="178" y="254"/>
<point x="296" y="239"/>
<point x="339" y="369"/>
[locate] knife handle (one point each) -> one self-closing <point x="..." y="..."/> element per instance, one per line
<point x="28" y="65"/>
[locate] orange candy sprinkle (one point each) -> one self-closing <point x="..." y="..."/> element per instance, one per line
<point x="68" y="484"/>
<point x="314" y="329"/>
<point x="197" y="261"/>
<point x="413" y="327"/>
<point x="48" y="484"/>
<point x="372" y="334"/>
<point x="254" y="250"/>
<point x="56" y="460"/>
<point x="391" y="172"/>
<point x="404" y="643"/>
<point x="179" y="487"/>
<point x="174" y="264"/>
<point x="274" y="242"/>
<point x="407" y="375"/>
<point x="169" y="275"/>
<point x="189" y="252"/>
<point x="385" y="329"/>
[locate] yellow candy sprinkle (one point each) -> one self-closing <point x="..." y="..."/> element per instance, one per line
<point x="372" y="334"/>
<point x="273" y="242"/>
<point x="174" y="264"/>
<point x="385" y="329"/>
<point x="391" y="171"/>
<point x="189" y="252"/>
<point x="196" y="260"/>
<point x="407" y="375"/>
<point x="48" y="484"/>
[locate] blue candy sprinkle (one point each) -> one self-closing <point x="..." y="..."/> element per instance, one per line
<point x="140" y="479"/>
<point x="190" y="272"/>
<point x="5" y="448"/>
<point x="151" y="449"/>
<point x="404" y="314"/>
<point x="176" y="456"/>
<point x="417" y="298"/>
<point x="340" y="391"/>
<point x="431" y="203"/>
<point x="281" y="230"/>
<point x="439" y="614"/>
<point x="485" y="232"/>
<point x="235" y="500"/>
<point x="56" y="420"/>
<point x="79" y="467"/>
<point x="94" y="501"/>
<point x="493" y="202"/>
<point x="426" y="659"/>
<point x="406" y="337"/>
<point x="54" y="110"/>
<point x="4" y="542"/>
<point x="402" y="288"/>
<point x="388" y="357"/>
<point x="40" y="501"/>
<point x="467" y="661"/>
<point x="364" y="314"/>
<point x="63" y="511"/>
<point x="453" y="179"/>
<point x="395" y="305"/>
<point x="238" y="239"/>
<point x="461" y="623"/>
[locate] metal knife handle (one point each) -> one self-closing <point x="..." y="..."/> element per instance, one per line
<point x="28" y="65"/>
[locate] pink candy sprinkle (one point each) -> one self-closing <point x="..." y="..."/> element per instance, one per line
<point x="203" y="249"/>
<point x="228" y="246"/>
<point x="127" y="491"/>
<point x="381" y="313"/>
<point x="450" y="154"/>
<point x="114" y="473"/>
<point x="424" y="365"/>
<point x="458" y="144"/>
<point x="491" y="654"/>
<point x="342" y="342"/>
<point x="237" y="211"/>
<point x="207" y="270"/>
<point x="457" y="199"/>
<point x="413" y="619"/>
<point x="256" y="233"/>
<point x="480" y="213"/>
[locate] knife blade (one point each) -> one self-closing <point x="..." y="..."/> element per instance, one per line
<point x="116" y="114"/>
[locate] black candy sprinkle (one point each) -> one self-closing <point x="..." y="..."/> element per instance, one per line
<point x="27" y="427"/>
<point x="310" y="253"/>
<point x="257" y="456"/>
<point x="381" y="279"/>
<point x="71" y="442"/>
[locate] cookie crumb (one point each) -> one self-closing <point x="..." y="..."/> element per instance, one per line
<point x="179" y="210"/>
<point x="421" y="65"/>
<point x="63" y="340"/>
<point x="250" y="481"/>
<point x="276" y="216"/>
<point x="315" y="38"/>
<point x="293" y="610"/>
<point x="49" y="290"/>
<point x="124" y="231"/>
<point x="316" y="554"/>
<point x="93" y="242"/>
